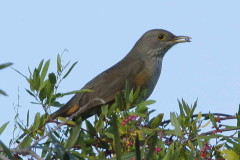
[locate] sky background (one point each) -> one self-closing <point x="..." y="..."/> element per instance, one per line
<point x="99" y="34"/>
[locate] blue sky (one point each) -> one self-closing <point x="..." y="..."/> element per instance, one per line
<point x="99" y="34"/>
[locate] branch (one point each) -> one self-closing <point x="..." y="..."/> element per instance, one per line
<point x="227" y="116"/>
<point x="219" y="130"/>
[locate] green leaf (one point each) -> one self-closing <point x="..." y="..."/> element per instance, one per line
<point x="153" y="143"/>
<point x="136" y="93"/>
<point x="104" y="109"/>
<point x="43" y="84"/>
<point x="36" y="121"/>
<point x="193" y="108"/>
<point x="99" y="124"/>
<point x="6" y="150"/>
<point x="26" y="142"/>
<point x="176" y="124"/>
<point x="91" y="129"/>
<point x="63" y="119"/>
<point x="44" y="71"/>
<point x="131" y="97"/>
<point x="117" y="141"/>
<point x="109" y="135"/>
<point x="137" y="146"/>
<point x="52" y="78"/>
<point x="3" y="93"/>
<point x="112" y="109"/>
<point x="31" y="93"/>
<point x="5" y="65"/>
<point x="28" y="118"/>
<point x="57" y="104"/>
<point x="147" y="131"/>
<point x="77" y="91"/>
<point x="146" y="103"/>
<point x="74" y="135"/>
<point x="205" y="125"/>
<point x="141" y="109"/>
<point x="2" y="128"/>
<point x="69" y="70"/>
<point x="186" y="107"/>
<point x="229" y="155"/>
<point x="40" y="66"/>
<point x="43" y="94"/>
<point x="36" y="80"/>
<point x="169" y="154"/>
<point x="181" y="108"/>
<point x="157" y="121"/>
<point x="59" y="64"/>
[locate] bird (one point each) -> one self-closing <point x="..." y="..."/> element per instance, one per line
<point x="141" y="67"/>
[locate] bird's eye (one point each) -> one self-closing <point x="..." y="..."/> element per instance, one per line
<point x="161" y="37"/>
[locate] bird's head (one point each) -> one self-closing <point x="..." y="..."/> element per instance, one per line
<point x="155" y="43"/>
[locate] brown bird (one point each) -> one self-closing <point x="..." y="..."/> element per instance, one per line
<point x="141" y="67"/>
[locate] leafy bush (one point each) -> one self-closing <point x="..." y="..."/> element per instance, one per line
<point x="123" y="130"/>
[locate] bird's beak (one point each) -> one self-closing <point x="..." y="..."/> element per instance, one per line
<point x="181" y="39"/>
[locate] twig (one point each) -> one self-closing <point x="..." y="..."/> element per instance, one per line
<point x="219" y="130"/>
<point x="227" y="116"/>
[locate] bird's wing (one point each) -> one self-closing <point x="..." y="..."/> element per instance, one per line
<point x="104" y="86"/>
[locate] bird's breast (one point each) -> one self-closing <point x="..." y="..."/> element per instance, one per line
<point x="147" y="78"/>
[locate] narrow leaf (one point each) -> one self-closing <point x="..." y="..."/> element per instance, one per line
<point x="137" y="146"/>
<point x="104" y="109"/>
<point x="153" y="143"/>
<point x="99" y="124"/>
<point x="44" y="71"/>
<point x="3" y="93"/>
<point x="181" y="108"/>
<point x="131" y="97"/>
<point x="205" y="125"/>
<point x="229" y="155"/>
<point x="91" y="129"/>
<point x="5" y="65"/>
<point x="28" y="118"/>
<point x="40" y="66"/>
<point x="69" y="70"/>
<point x="77" y="91"/>
<point x="6" y="150"/>
<point x="59" y="64"/>
<point x="26" y="142"/>
<point x="74" y="135"/>
<point x="146" y="103"/>
<point x="176" y="124"/>
<point x="116" y="138"/>
<point x="157" y="121"/>
<point x="36" y="121"/>
<point x="43" y="84"/>
<point x="29" y="92"/>
<point x="2" y="128"/>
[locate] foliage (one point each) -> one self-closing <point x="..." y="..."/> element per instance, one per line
<point x="123" y="130"/>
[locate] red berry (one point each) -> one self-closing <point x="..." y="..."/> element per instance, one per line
<point x="158" y="149"/>
<point x="203" y="155"/>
